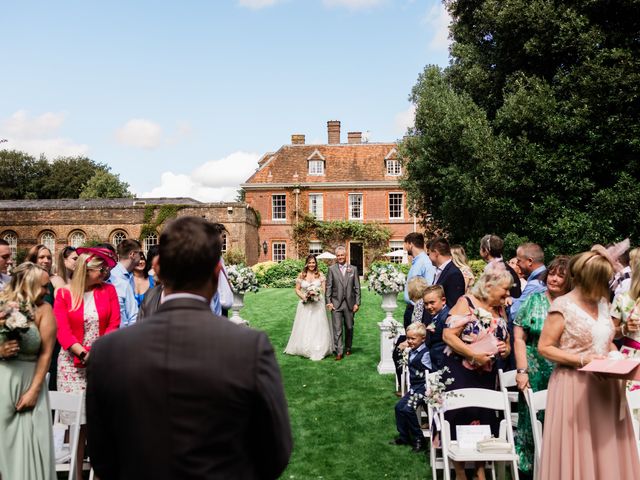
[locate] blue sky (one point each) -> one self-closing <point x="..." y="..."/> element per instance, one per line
<point x="181" y="98"/>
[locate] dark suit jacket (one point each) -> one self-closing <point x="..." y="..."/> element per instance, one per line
<point x="434" y="342"/>
<point x="452" y="282"/>
<point x="150" y="303"/>
<point x="186" y="395"/>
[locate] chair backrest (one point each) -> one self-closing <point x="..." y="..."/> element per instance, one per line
<point x="536" y="402"/>
<point x="507" y="379"/>
<point x="477" y="397"/>
<point x="633" y="399"/>
<point x="73" y="403"/>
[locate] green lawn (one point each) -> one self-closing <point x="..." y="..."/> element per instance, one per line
<point x="341" y="412"/>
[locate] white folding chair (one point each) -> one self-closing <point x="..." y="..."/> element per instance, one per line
<point x="478" y="398"/>
<point x="435" y="454"/>
<point x="508" y="380"/>
<point x="633" y="399"/>
<point x="536" y="401"/>
<point x="73" y="403"/>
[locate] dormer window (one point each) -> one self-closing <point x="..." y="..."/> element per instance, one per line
<point x="393" y="167"/>
<point x="316" y="167"/>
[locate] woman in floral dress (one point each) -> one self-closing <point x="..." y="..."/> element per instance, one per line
<point x="533" y="369"/>
<point x="625" y="312"/>
<point x="85" y="310"/>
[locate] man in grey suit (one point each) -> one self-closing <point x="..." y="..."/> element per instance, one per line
<point x="343" y="295"/>
<point x="186" y="393"/>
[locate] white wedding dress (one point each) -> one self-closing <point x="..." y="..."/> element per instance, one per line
<point x="311" y="334"/>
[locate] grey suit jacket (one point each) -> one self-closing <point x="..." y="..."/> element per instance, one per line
<point x="186" y="394"/>
<point x="343" y="287"/>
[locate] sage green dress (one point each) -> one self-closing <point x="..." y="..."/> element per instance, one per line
<point x="531" y="317"/>
<point x="26" y="439"/>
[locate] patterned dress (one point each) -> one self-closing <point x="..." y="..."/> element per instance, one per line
<point x="622" y="309"/>
<point x="531" y="317"/>
<point x="70" y="378"/>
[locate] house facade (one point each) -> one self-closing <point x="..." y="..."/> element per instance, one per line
<point x="356" y="181"/>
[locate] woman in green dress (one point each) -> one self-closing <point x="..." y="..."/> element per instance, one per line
<point x="533" y="369"/>
<point x="27" y="335"/>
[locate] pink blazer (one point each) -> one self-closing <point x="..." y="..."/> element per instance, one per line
<point x="71" y="323"/>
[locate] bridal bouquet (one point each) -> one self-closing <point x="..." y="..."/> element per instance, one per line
<point x="242" y="279"/>
<point x="15" y="318"/>
<point x="386" y="278"/>
<point x="312" y="293"/>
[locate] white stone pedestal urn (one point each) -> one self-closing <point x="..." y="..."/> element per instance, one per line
<point x="238" y="303"/>
<point x="389" y="328"/>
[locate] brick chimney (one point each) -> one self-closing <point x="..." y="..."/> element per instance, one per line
<point x="297" y="139"/>
<point x="333" y="131"/>
<point x="354" y="137"/>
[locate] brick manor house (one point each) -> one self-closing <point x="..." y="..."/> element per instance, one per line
<point x="57" y="223"/>
<point x="356" y="181"/>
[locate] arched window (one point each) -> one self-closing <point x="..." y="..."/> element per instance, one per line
<point x="77" y="238"/>
<point x="48" y="239"/>
<point x="224" y="242"/>
<point x="151" y="239"/>
<point x="12" y="239"/>
<point x="117" y="237"/>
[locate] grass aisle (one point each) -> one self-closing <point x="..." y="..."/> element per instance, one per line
<point x="341" y="412"/>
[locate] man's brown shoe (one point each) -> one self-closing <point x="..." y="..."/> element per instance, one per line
<point x="338" y="357"/>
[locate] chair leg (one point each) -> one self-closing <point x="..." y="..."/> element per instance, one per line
<point x="514" y="470"/>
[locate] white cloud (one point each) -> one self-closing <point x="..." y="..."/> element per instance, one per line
<point x="213" y="181"/>
<point x="258" y="4"/>
<point x="38" y="135"/>
<point x="437" y="20"/>
<point x="353" y="4"/>
<point x="405" y="120"/>
<point x="139" y="132"/>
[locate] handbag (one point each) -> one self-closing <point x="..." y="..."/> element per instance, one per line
<point x="493" y="445"/>
<point x="76" y="360"/>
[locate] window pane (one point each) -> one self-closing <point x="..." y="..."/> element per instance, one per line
<point x="48" y="239"/>
<point x="355" y="206"/>
<point x="12" y="240"/>
<point x="393" y="167"/>
<point x="117" y="238"/>
<point x="224" y="242"/>
<point x="279" y="251"/>
<point x="151" y="239"/>
<point x="315" y="248"/>
<point x="77" y="239"/>
<point x="315" y="205"/>
<point x="278" y="207"/>
<point x="395" y="245"/>
<point x="316" y="167"/>
<point x="395" y="205"/>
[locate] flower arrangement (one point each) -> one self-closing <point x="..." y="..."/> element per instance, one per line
<point x="15" y="318"/>
<point x="312" y="293"/>
<point x="386" y="278"/>
<point x="436" y="392"/>
<point x="242" y="279"/>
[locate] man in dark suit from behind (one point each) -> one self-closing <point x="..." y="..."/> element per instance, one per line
<point x="186" y="394"/>
<point x="447" y="274"/>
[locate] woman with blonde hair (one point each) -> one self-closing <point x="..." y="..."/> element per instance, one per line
<point x="27" y="334"/>
<point x="459" y="259"/>
<point x="85" y="310"/>
<point x="625" y="312"/>
<point x="588" y="432"/>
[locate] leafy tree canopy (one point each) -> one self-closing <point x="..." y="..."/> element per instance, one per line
<point x="533" y="129"/>
<point x="24" y="177"/>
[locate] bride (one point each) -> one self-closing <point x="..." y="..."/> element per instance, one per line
<point x="311" y="334"/>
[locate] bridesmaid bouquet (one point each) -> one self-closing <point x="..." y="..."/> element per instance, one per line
<point x="312" y="294"/>
<point x="14" y="319"/>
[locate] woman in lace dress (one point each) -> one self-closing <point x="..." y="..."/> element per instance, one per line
<point x="85" y="310"/>
<point x="588" y="434"/>
<point x="311" y="333"/>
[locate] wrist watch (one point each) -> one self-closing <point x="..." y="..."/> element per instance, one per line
<point x="522" y="370"/>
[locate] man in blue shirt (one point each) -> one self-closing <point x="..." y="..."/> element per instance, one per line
<point x="531" y="261"/>
<point x="421" y="266"/>
<point x="129" y="252"/>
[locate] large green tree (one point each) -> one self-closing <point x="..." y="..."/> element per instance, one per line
<point x="533" y="130"/>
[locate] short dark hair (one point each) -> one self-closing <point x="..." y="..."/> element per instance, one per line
<point x="126" y="246"/>
<point x="108" y="246"/>
<point x="190" y="249"/>
<point x="4" y="242"/>
<point x="492" y="244"/>
<point x="440" y="245"/>
<point x="416" y="239"/>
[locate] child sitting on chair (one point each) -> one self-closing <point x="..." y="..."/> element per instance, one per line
<point x="435" y="306"/>
<point x="419" y="364"/>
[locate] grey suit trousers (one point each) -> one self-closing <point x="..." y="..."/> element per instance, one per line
<point x="339" y="317"/>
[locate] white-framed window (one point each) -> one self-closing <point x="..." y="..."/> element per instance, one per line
<point x="393" y="167"/>
<point x="151" y="239"/>
<point x="394" y="246"/>
<point x="117" y="237"/>
<point x="12" y="239"/>
<point x="48" y="239"/>
<point x="315" y="248"/>
<point x="278" y="251"/>
<point x="279" y="207"/>
<point x="396" y="205"/>
<point x="77" y="238"/>
<point x="355" y="206"/>
<point x="315" y="205"/>
<point x="224" y="242"/>
<point x="316" y="167"/>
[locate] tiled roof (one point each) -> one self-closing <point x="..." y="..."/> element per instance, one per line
<point x="85" y="204"/>
<point x="363" y="162"/>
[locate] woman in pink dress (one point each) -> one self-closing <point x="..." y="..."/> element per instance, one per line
<point x="588" y="434"/>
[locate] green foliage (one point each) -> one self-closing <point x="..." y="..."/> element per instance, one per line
<point x="533" y="128"/>
<point x="284" y="274"/>
<point x="234" y="256"/>
<point x="92" y="242"/>
<point x="477" y="266"/>
<point x="24" y="177"/>
<point x="105" y="185"/>
<point x="21" y="255"/>
<point x="161" y="213"/>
